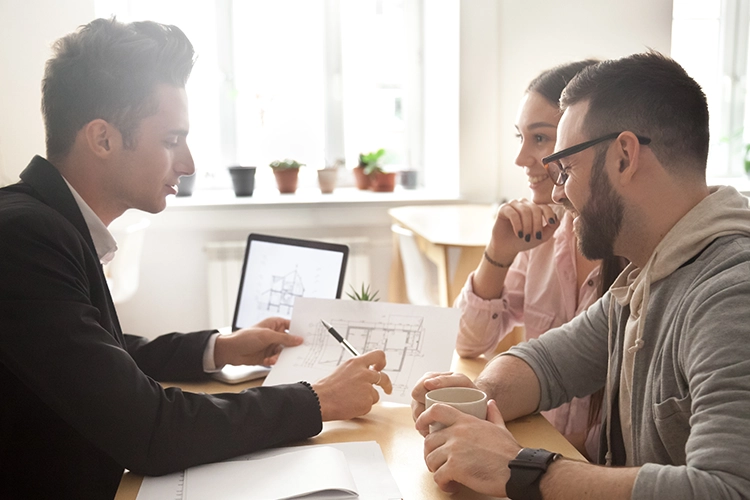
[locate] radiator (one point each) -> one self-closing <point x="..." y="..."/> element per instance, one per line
<point x="224" y="268"/>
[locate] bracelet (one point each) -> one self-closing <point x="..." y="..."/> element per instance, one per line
<point x="494" y="262"/>
<point x="317" y="399"/>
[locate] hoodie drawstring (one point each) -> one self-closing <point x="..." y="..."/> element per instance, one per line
<point x="643" y="308"/>
<point x="608" y="390"/>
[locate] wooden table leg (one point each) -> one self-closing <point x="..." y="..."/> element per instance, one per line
<point x="467" y="262"/>
<point x="396" y="280"/>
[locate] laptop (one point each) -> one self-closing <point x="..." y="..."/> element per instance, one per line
<point x="275" y="271"/>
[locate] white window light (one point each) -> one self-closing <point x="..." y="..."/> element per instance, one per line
<point x="312" y="80"/>
<point x="710" y="40"/>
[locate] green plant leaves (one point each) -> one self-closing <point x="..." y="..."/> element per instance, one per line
<point x="286" y="163"/>
<point x="363" y="294"/>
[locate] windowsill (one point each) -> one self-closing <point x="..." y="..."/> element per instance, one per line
<point x="309" y="197"/>
<point x="221" y="210"/>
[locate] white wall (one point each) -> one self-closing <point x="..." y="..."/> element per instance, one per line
<point x="534" y="36"/>
<point x="480" y="89"/>
<point x="27" y="30"/>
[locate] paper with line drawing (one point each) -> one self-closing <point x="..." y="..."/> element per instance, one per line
<point x="416" y="339"/>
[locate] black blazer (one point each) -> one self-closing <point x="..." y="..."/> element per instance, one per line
<point x="78" y="399"/>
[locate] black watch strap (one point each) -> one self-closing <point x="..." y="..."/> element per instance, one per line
<point x="525" y="472"/>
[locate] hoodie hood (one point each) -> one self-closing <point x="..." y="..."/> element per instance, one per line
<point x="723" y="212"/>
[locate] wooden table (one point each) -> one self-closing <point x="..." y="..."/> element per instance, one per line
<point x="451" y="236"/>
<point x="393" y="428"/>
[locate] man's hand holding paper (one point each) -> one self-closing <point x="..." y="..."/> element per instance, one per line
<point x="257" y="345"/>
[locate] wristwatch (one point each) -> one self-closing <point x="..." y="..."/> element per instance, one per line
<point x="526" y="471"/>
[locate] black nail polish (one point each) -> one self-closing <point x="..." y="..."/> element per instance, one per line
<point x="539" y="235"/>
<point x="551" y="220"/>
<point x="527" y="238"/>
<point x="520" y="234"/>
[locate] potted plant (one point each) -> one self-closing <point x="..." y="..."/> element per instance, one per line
<point x="367" y="161"/>
<point x="327" y="177"/>
<point x="380" y="180"/>
<point x="409" y="178"/>
<point x="286" y="172"/>
<point x="363" y="294"/>
<point x="243" y="180"/>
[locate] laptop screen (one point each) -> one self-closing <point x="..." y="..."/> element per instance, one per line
<point x="276" y="270"/>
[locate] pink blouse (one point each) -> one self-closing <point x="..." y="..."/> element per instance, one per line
<point x="540" y="293"/>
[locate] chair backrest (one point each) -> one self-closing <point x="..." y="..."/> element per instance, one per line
<point x="420" y="273"/>
<point x="123" y="271"/>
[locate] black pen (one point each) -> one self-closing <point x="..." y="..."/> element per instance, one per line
<point x="338" y="337"/>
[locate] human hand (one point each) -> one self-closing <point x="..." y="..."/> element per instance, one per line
<point x="257" y="345"/>
<point x="348" y="392"/>
<point x="468" y="451"/>
<point x="435" y="380"/>
<point x="520" y="225"/>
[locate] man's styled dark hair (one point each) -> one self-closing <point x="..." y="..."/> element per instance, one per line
<point x="108" y="70"/>
<point x="550" y="83"/>
<point x="651" y="95"/>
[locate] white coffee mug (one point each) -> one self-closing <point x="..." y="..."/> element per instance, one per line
<point x="466" y="399"/>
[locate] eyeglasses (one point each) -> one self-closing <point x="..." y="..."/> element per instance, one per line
<point x="558" y="173"/>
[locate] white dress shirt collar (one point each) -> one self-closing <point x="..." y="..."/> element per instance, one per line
<point x="104" y="242"/>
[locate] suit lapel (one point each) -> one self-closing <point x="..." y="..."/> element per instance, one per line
<point x="52" y="190"/>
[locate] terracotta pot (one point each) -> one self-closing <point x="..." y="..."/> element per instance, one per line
<point x="363" y="181"/>
<point x="383" y="182"/>
<point x="327" y="179"/>
<point x="286" y="179"/>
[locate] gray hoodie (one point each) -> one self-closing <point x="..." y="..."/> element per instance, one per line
<point x="689" y="401"/>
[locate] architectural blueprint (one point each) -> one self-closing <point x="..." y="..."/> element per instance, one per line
<point x="276" y="274"/>
<point x="415" y="339"/>
<point x="284" y="289"/>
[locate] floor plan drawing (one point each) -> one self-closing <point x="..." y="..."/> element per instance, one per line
<point x="415" y="339"/>
<point x="274" y="275"/>
<point x="400" y="337"/>
<point x="279" y="298"/>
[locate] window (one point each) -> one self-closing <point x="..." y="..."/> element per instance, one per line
<point x="313" y="80"/>
<point x="710" y="40"/>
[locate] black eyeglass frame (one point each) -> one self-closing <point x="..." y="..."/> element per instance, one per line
<point x="555" y="157"/>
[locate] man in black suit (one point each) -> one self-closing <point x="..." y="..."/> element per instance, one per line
<point x="78" y="398"/>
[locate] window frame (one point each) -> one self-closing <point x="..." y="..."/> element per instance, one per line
<point x="214" y="176"/>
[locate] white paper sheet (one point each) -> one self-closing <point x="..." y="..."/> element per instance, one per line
<point x="365" y="460"/>
<point x="416" y="339"/>
<point x="297" y="473"/>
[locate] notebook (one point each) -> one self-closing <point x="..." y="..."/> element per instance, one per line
<point x="275" y="271"/>
<point x="336" y="470"/>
